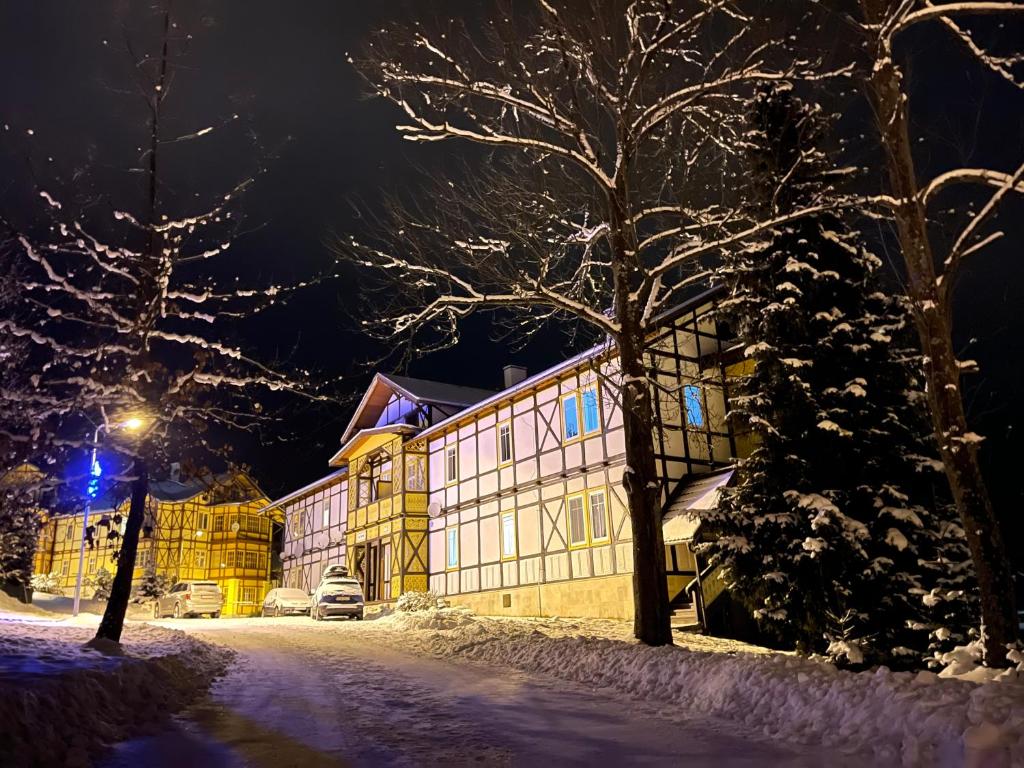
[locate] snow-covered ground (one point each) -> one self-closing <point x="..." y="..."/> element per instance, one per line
<point x="371" y="694"/>
<point x="61" y="703"/>
<point x="381" y="690"/>
<point x="446" y="687"/>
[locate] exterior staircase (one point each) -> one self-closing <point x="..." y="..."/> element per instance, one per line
<point x="684" y="618"/>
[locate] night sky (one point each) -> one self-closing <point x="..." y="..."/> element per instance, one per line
<point x="329" y="152"/>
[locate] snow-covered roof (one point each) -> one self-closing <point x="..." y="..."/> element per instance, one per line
<point x="316" y="484"/>
<point x="679" y="524"/>
<point x="383" y="385"/>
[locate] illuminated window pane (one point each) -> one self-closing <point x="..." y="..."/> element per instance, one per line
<point x="451" y="472"/>
<point x="570" y="418"/>
<point x="453" y="548"/>
<point x="591" y="413"/>
<point x="694" y="405"/>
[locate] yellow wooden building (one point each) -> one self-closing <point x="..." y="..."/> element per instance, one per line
<point x="205" y="529"/>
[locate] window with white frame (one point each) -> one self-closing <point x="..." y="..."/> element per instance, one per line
<point x="570" y="417"/>
<point x="325" y="514"/>
<point x="204" y="521"/>
<point x="65" y="568"/>
<point x="505" y="442"/>
<point x="598" y="509"/>
<point x="576" y="510"/>
<point x="218" y="523"/>
<point x="452" y="548"/>
<point x="200" y="558"/>
<point x="508" y="535"/>
<point x="251" y="560"/>
<point x="451" y="464"/>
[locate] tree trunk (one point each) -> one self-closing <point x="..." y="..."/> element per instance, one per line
<point x="651" y="618"/>
<point x="121" y="587"/>
<point x="942" y="373"/>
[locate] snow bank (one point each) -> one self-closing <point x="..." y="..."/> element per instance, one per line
<point x="61" y="703"/>
<point x="895" y="717"/>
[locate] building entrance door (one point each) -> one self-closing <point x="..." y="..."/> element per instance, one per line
<point x="371" y="588"/>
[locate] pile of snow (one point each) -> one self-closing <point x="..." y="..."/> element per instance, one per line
<point x="965" y="663"/>
<point x="897" y="717"/>
<point x="418" y="601"/>
<point x="61" y="703"/>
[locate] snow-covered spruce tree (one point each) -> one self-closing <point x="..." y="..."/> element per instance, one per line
<point x="152" y="585"/>
<point x="19" y="527"/>
<point x="836" y="534"/>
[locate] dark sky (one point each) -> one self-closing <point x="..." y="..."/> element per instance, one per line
<point x="281" y="67"/>
<point x="302" y="113"/>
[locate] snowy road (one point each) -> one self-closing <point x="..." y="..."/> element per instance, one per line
<point x="306" y="695"/>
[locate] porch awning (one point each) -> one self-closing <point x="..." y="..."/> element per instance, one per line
<point x="679" y="522"/>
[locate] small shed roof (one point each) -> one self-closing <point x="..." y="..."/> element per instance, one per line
<point x="679" y="522"/>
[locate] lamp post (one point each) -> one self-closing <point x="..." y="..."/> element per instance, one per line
<point x="129" y="424"/>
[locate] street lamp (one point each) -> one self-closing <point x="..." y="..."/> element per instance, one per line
<point x="131" y="425"/>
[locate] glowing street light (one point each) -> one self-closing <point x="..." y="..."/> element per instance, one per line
<point x="131" y="424"/>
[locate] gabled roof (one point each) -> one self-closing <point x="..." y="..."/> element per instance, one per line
<point x="426" y="391"/>
<point x="174" y="491"/>
<point x="382" y="386"/>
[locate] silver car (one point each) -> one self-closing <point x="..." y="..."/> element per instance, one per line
<point x="190" y="598"/>
<point x="282" y="601"/>
<point x="337" y="596"/>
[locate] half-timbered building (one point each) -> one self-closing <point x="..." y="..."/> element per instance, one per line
<point x="512" y="501"/>
<point x="203" y="528"/>
<point x="315" y="518"/>
<point x="528" y="514"/>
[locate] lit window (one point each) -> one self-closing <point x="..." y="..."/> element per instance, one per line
<point x="451" y="464"/>
<point x="251" y="560"/>
<point x="231" y="558"/>
<point x="505" y="443"/>
<point x="218" y="523"/>
<point x="453" y="548"/>
<point x="415" y="472"/>
<point x="325" y="519"/>
<point x="577" y="521"/>
<point x="263" y="563"/>
<point x="570" y="417"/>
<point x="65" y="568"/>
<point x="204" y="521"/>
<point x="200" y="558"/>
<point x="508" y="534"/>
<point x="694" y="405"/>
<point x="591" y="413"/>
<point x="598" y="516"/>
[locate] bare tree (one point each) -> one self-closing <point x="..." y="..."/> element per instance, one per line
<point x="932" y="269"/>
<point x="605" y="170"/>
<point x="132" y="312"/>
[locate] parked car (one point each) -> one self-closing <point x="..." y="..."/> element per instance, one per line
<point x="337" y="596"/>
<point x="190" y="598"/>
<point x="282" y="601"/>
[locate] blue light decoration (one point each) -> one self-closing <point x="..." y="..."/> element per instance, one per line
<point x="94" y="481"/>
